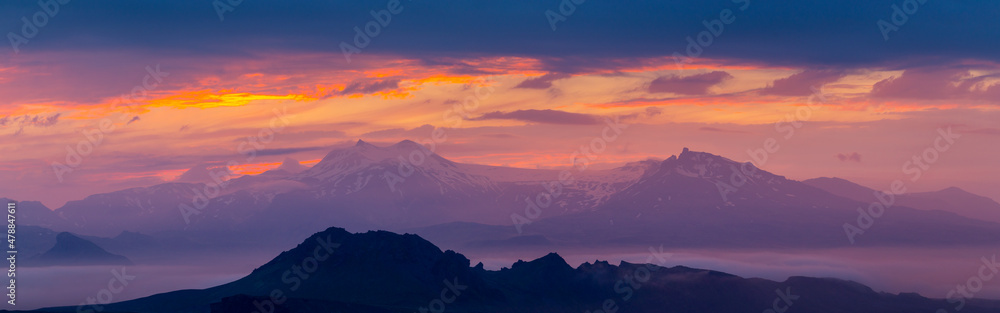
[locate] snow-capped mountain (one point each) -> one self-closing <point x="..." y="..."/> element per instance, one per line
<point x="698" y="199"/>
<point x="345" y="171"/>
<point x="359" y="187"/>
<point x="694" y="198"/>
<point x="699" y="179"/>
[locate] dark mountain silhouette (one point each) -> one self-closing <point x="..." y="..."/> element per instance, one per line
<point x="951" y="199"/>
<point x="386" y="272"/>
<point x="72" y="250"/>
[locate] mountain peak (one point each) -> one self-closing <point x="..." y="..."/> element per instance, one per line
<point x="688" y="154"/>
<point x="700" y="179"/>
<point x="831" y="180"/>
<point x="73" y="250"/>
<point x="67" y="237"/>
<point x="700" y="162"/>
<point x="954" y="189"/>
<point x="551" y="262"/>
<point x="349" y="169"/>
<point x="292" y="166"/>
<point x="201" y="173"/>
<point x="552" y="257"/>
<point x="368" y="246"/>
<point x="408" y="144"/>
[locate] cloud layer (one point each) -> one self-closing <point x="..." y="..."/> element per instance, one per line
<point x="844" y="33"/>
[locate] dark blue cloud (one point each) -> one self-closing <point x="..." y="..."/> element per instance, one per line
<point x="802" y="83"/>
<point x="598" y="34"/>
<point x="541" y="82"/>
<point x="370" y="86"/>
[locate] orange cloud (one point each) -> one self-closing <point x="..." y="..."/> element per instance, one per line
<point x="209" y="99"/>
<point x="253" y="169"/>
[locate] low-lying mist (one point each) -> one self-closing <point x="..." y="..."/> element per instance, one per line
<point x="932" y="272"/>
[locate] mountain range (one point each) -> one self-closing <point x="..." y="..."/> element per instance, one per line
<point x="952" y="199"/>
<point x="697" y="199"/>
<point x="378" y="271"/>
<point x="350" y="187"/>
<point x="692" y="199"/>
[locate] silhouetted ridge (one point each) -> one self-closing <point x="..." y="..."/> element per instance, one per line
<point x="72" y="250"/>
<point x="551" y="262"/>
<point x="548" y="272"/>
<point x="385" y="272"/>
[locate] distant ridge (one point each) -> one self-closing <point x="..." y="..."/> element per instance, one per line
<point x="71" y="250"/>
<point x="950" y="199"/>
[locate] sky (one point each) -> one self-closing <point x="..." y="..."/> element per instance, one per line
<point x="98" y="96"/>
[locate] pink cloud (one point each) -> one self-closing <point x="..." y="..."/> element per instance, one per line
<point x="938" y="84"/>
<point x="850" y="157"/>
<point x="720" y="130"/>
